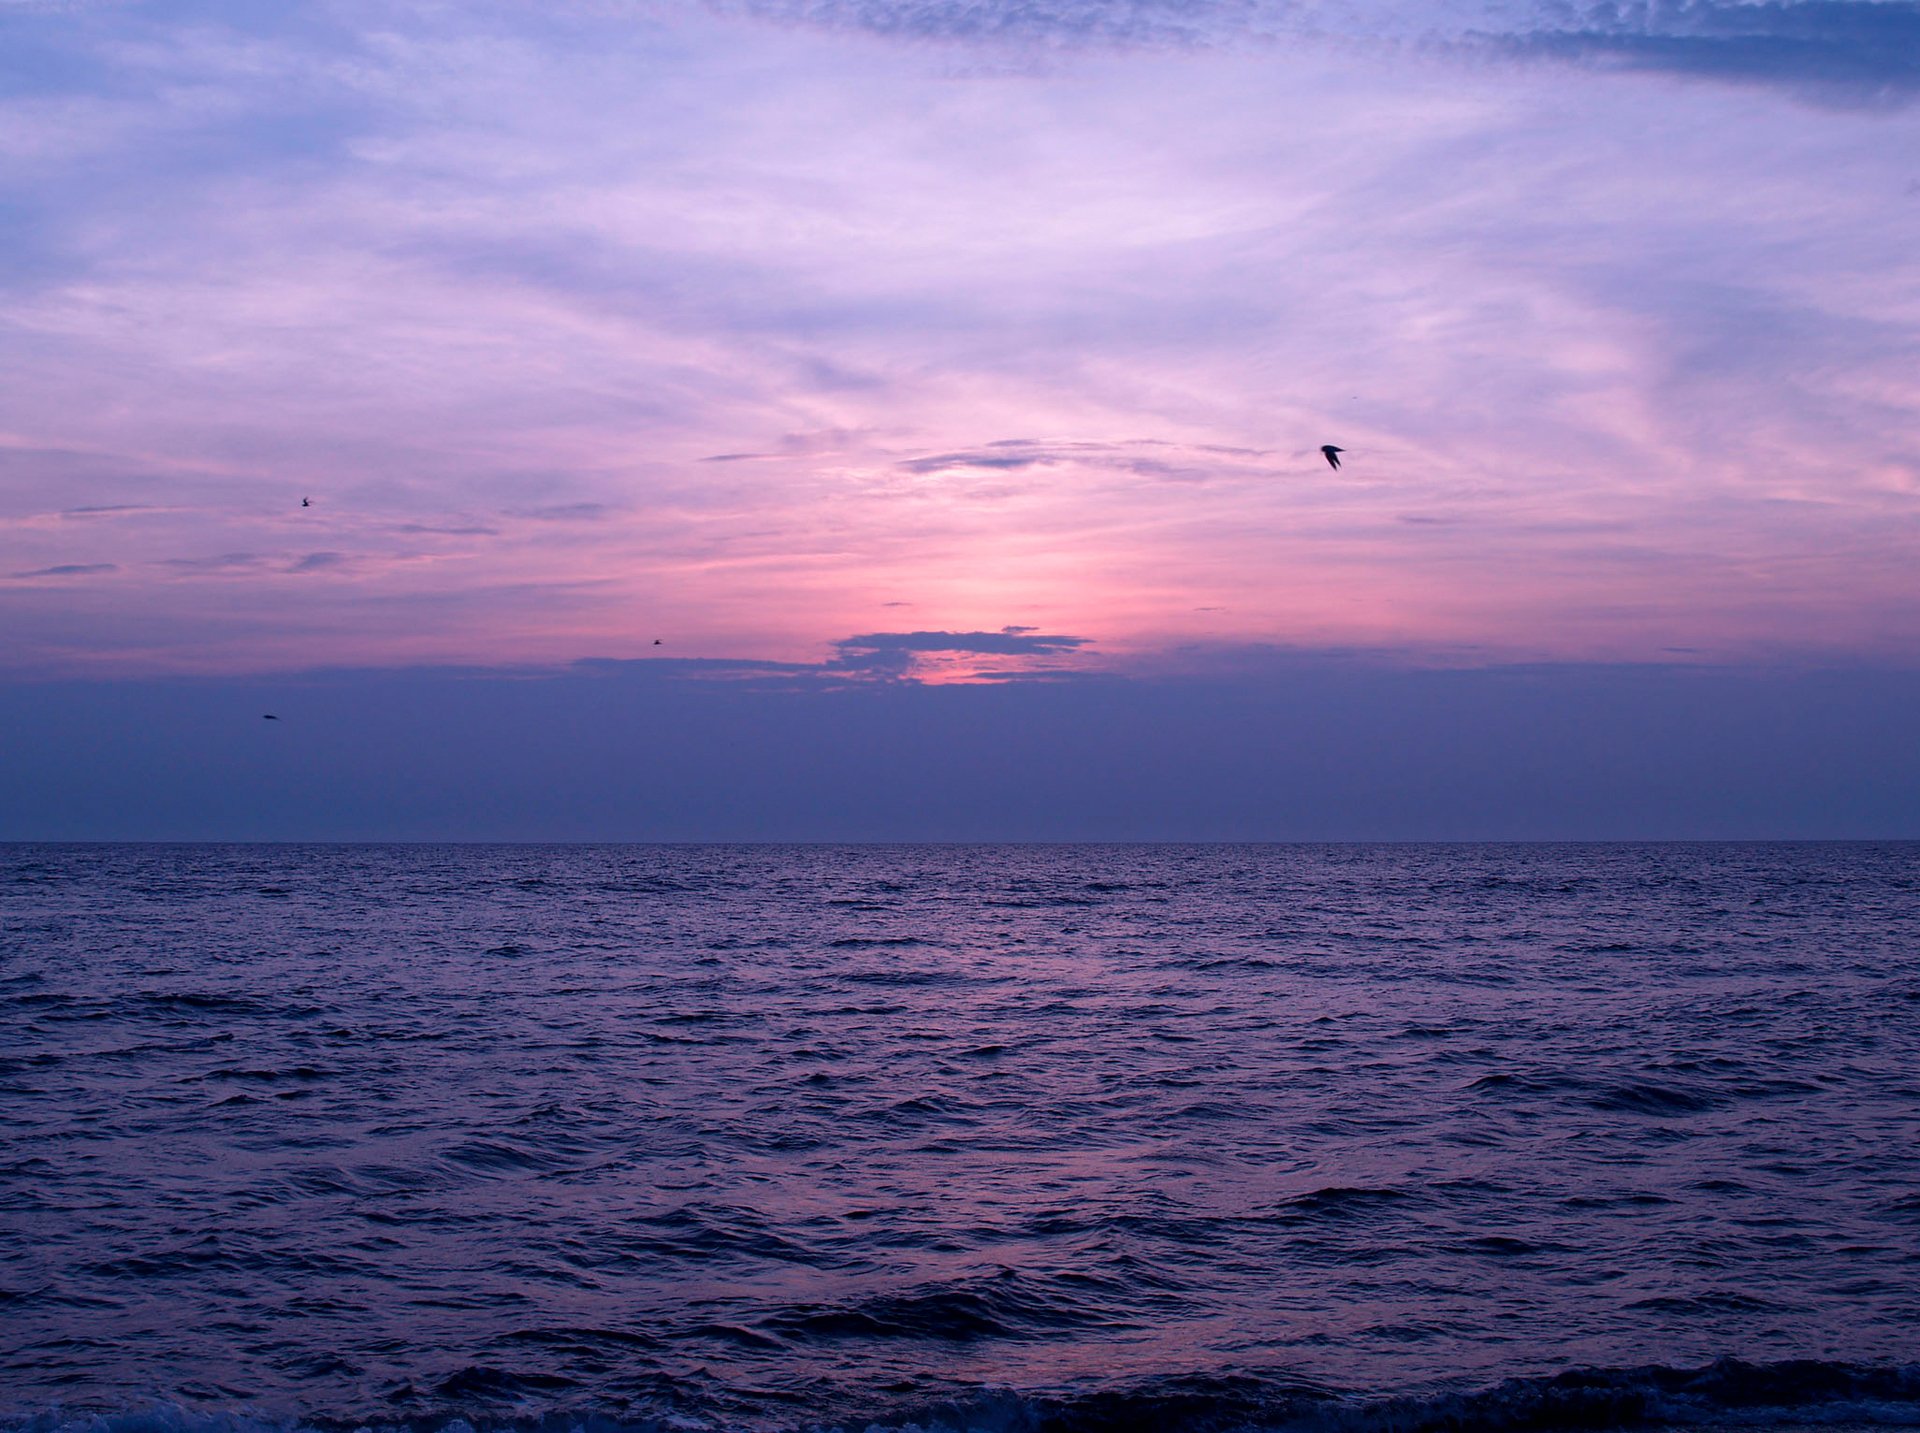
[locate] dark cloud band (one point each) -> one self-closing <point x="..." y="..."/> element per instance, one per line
<point x="69" y="569"/>
<point x="896" y="653"/>
<point x="1858" y="52"/>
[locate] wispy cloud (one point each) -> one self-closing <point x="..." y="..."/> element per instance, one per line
<point x="423" y="529"/>
<point x="68" y="569"/>
<point x="1052" y="22"/>
<point x="318" y="562"/>
<point x="225" y="562"/>
<point x="562" y="512"/>
<point x="1144" y="457"/>
<point x="1005" y="462"/>
<point x="582" y="330"/>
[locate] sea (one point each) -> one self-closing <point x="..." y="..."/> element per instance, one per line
<point x="1329" y="1138"/>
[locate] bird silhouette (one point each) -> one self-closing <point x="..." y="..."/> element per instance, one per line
<point x="306" y="502"/>
<point x="656" y="641"/>
<point x="268" y="716"/>
<point x="1331" y="454"/>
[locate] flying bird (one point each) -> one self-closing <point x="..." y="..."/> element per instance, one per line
<point x="1331" y="454"/>
<point x="268" y="716"/>
<point x="656" y="641"/>
<point x="306" y="502"/>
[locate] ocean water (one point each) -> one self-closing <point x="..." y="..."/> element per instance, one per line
<point x="1088" y="1137"/>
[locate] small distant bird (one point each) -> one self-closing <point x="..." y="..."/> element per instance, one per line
<point x="268" y="716"/>
<point x="306" y="502"/>
<point x="1331" y="454"/>
<point x="656" y="641"/>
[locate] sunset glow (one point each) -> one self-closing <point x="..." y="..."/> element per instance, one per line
<point x="753" y="335"/>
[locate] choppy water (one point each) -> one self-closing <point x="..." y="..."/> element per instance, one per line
<point x="1100" y="1137"/>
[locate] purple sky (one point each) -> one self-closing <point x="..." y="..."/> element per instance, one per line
<point x="957" y="339"/>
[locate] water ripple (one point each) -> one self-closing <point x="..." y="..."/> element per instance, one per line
<point x="1341" y="1138"/>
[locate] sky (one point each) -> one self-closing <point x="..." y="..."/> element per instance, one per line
<point x="876" y="379"/>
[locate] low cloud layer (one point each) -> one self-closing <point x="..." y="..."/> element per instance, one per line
<point x="903" y="654"/>
<point x="1264" y="746"/>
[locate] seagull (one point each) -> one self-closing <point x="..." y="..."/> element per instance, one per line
<point x="1331" y="454"/>
<point x="268" y="716"/>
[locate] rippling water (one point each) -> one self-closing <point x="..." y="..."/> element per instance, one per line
<point x="1100" y="1137"/>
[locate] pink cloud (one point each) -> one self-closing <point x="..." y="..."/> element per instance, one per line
<point x="745" y="334"/>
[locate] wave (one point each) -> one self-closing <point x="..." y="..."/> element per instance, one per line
<point x="1728" y="1395"/>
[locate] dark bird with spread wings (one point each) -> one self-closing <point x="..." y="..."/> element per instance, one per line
<point x="1332" y="455"/>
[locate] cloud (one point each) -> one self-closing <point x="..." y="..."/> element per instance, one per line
<point x="1272" y="747"/>
<point x="221" y="562"/>
<point x="1847" y="52"/>
<point x="899" y="654"/>
<point x="318" y="562"/>
<point x="1050" y="22"/>
<point x="1189" y="462"/>
<point x="70" y="569"/>
<point x="1852" y="52"/>
<point x="562" y="512"/>
<point x="1001" y="461"/>
<point x="1661" y="389"/>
